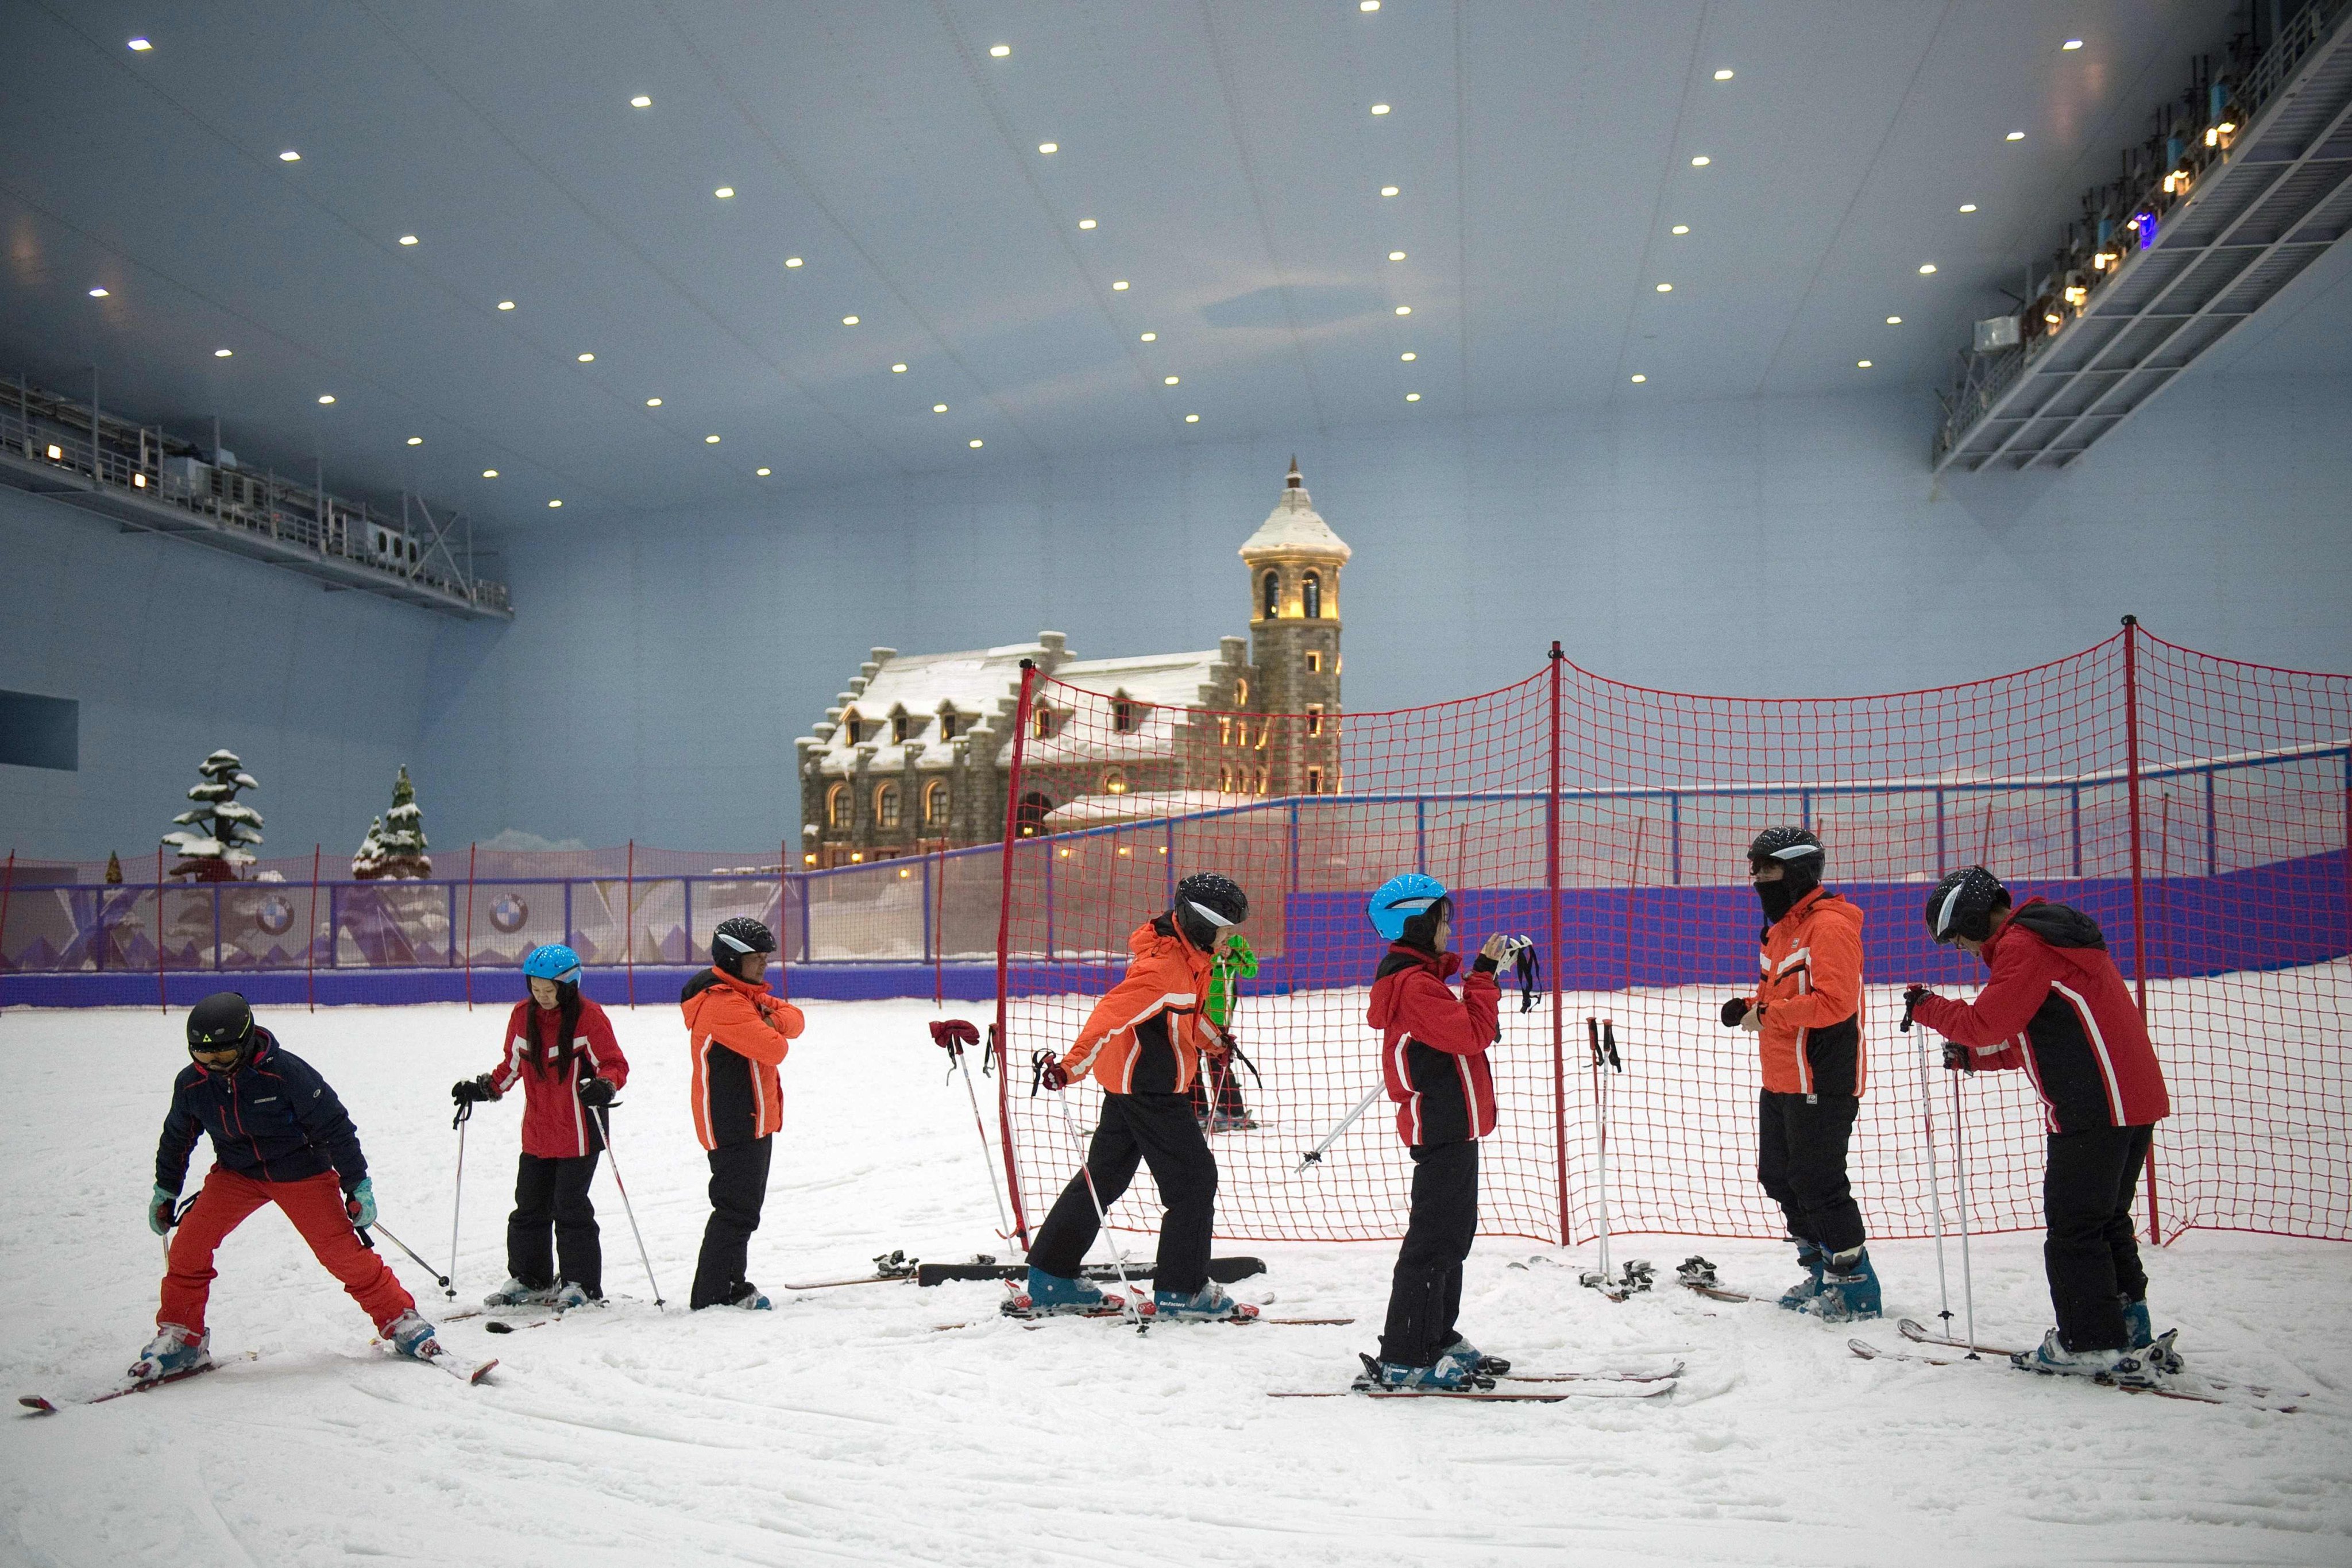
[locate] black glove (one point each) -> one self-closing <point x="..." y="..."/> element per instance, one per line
<point x="466" y="1091"/>
<point x="597" y="1093"/>
<point x="1959" y="1057"/>
<point x="1733" y="1011"/>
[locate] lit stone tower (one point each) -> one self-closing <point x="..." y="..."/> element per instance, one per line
<point x="1294" y="562"/>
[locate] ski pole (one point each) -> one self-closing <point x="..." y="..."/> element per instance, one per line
<point x="1960" y="1167"/>
<point x="1102" y="1223"/>
<point x="1935" y="1179"/>
<point x="604" y="1131"/>
<point x="457" y="1199"/>
<point x="945" y="1035"/>
<point x="439" y="1277"/>
<point x="177" y="1216"/>
<point x="1601" y="1103"/>
<point x="1315" y="1156"/>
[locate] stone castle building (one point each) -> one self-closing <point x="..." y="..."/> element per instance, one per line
<point x="916" y="754"/>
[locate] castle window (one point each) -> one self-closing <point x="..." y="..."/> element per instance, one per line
<point x="1041" y="722"/>
<point x="1224" y="729"/>
<point x="836" y="806"/>
<point x="1241" y="691"/>
<point x="1224" y="780"/>
<point x="886" y="804"/>
<point x="1030" y="817"/>
<point x="1315" y="781"/>
<point x="1314" y="661"/>
<point x="1126" y="715"/>
<point x="1114" y="780"/>
<point x="902" y="728"/>
<point x="1311" y="596"/>
<point x="852" y="729"/>
<point x="935" y="803"/>
<point x="1313" y="721"/>
<point x="1271" y="591"/>
<point x="948" y="719"/>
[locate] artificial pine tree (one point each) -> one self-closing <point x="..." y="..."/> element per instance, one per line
<point x="214" y="831"/>
<point x="113" y="870"/>
<point x="394" y="846"/>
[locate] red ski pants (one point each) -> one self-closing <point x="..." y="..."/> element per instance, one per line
<point x="315" y="1204"/>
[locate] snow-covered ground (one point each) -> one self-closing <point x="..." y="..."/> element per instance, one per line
<point x="844" y="1428"/>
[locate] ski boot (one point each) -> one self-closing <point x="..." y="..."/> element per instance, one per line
<point x="1052" y="1296"/>
<point x="412" y="1336"/>
<point x="1467" y="1354"/>
<point x="2052" y="1359"/>
<point x="1209" y="1302"/>
<point x="173" y="1351"/>
<point x="515" y="1293"/>
<point x="2141" y="1339"/>
<point x="1445" y="1377"/>
<point x="1799" y="1296"/>
<point x="1848" y="1286"/>
<point x="748" y="1298"/>
<point x="570" y="1294"/>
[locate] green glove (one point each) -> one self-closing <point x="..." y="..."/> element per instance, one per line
<point x="360" y="1204"/>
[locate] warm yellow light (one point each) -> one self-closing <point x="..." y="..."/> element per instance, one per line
<point x="408" y="240"/>
<point x="1723" y="76"/>
<point x="710" y="441"/>
<point x="1861" y="364"/>
<point x="808" y="859"/>
<point x="587" y="358"/>
<point x="2227" y="126"/>
<point x="1926" y="267"/>
<point x="1413" y="397"/>
<point x="1408" y="356"/>
<point x="724" y="191"/>
<point x="1379" y="109"/>
<point x="897" y="370"/>
<point x="2015" y="136"/>
<point x="975" y="441"/>
<point x="1681" y="229"/>
<point x="1150" y="337"/>
<point x="327" y="397"/>
<point x="223" y="353"/>
<point x="1638" y="379"/>
<point x="938" y="408"/>
<point x="1701" y="161"/>
<point x="140" y="46"/>
<point x="858" y="858"/>
<point x="1120" y="285"/>
<point x="1665" y="288"/>
<point x="2053" y="317"/>
<point x="1192" y="419"/>
<point x="289" y="157"/>
<point x="1396" y="256"/>
<point x="1968" y="206"/>
<point x="849" y="321"/>
<point x="1168" y="381"/>
<point x="1404" y="310"/>
<point x="1086" y="223"/>
<point x="764" y="473"/>
<point x="554" y="503"/>
<point x="1894" y="321"/>
<point x="2213" y="136"/>
<point x="641" y="101"/>
<point x="416" y="441"/>
<point x="653" y="402"/>
<point x="792" y="261"/>
<point x="1049" y="148"/>
<point x="138" y="482"/>
<point x="998" y="51"/>
<point x="489" y="473"/>
<point x="55" y="453"/>
<point x="506" y="304"/>
<point x="1366" y="5"/>
<point x="1388" y="190"/>
<point x="904" y="874"/>
<point x="2070" y="44"/>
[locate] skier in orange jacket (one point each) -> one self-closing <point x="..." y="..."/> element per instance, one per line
<point x="740" y="1030"/>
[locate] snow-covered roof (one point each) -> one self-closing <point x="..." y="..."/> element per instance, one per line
<point x="971" y="684"/>
<point x="1294" y="528"/>
<point x="1166" y="686"/>
<point x="1140" y="806"/>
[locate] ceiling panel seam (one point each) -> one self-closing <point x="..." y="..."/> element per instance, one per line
<point x="1462" y="194"/>
<point x="1673" y="148"/>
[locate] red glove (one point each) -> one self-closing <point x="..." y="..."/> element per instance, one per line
<point x="951" y="1035"/>
<point x="1051" y="1073"/>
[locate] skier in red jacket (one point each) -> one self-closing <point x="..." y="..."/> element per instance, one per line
<point x="1433" y="1059"/>
<point x="560" y="1046"/>
<point x="2056" y="1006"/>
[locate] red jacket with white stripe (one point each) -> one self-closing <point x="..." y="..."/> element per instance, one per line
<point x="1146" y="1036"/>
<point x="554" y="1124"/>
<point x="2057" y="1006"/>
<point x="1433" y="1043"/>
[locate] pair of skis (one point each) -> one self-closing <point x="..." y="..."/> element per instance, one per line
<point x="2196" y="1388"/>
<point x="469" y="1372"/>
<point x="1595" y="1384"/>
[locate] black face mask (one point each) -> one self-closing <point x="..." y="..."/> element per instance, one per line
<point x="1779" y="898"/>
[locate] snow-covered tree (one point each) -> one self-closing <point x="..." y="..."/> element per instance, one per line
<point x="394" y="846"/>
<point x="213" y="833"/>
<point x="113" y="870"/>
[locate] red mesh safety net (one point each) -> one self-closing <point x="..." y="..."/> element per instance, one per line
<point x="2199" y="809"/>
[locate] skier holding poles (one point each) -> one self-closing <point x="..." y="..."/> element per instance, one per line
<point x="2056" y="1006"/>
<point x="280" y="1135"/>
<point x="560" y="1045"/>
<point x="1143" y="1043"/>
<point x="1433" y="1061"/>
<point x="1806" y="1012"/>
<point x="740" y="1031"/>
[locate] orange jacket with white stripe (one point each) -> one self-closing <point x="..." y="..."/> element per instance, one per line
<point x="740" y="1031"/>
<point x="1811" y="992"/>
<point x="1146" y="1036"/>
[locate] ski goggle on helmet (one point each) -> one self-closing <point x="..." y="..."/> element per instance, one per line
<point x="1402" y="898"/>
<point x="552" y="961"/>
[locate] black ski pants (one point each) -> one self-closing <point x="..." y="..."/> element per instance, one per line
<point x="2092" y="1254"/>
<point x="1425" y="1290"/>
<point x="1800" y="1143"/>
<point x="739" y="1186"/>
<point x="551" y="1200"/>
<point x="1157" y="1130"/>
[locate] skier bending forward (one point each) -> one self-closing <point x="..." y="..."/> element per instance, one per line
<point x="1143" y="1043"/>
<point x="280" y="1136"/>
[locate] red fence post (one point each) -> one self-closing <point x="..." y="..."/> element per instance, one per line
<point x="310" y="981"/>
<point x="1552" y="916"/>
<point x="940" y="925"/>
<point x="8" y="887"/>
<point x="162" y="1003"/>
<point x="471" y="850"/>
<point x="2140" y="902"/>
<point x="783" y="903"/>
<point x="629" y="920"/>
<point x="1004" y="948"/>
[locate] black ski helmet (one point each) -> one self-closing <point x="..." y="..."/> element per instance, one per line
<point x="1794" y="848"/>
<point x="1207" y="903"/>
<point x="223" y="1018"/>
<point x="1963" y="903"/>
<point x="736" y="936"/>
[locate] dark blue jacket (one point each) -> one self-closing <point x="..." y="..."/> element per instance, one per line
<point x="274" y="1118"/>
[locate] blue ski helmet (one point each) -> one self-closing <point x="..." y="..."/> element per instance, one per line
<point x="1402" y="898"/>
<point x="554" y="961"/>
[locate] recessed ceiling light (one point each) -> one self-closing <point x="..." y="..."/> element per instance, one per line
<point x="1925" y="267"/>
<point x="1388" y="190"/>
<point x="98" y="293"/>
<point x="2069" y="44"/>
<point x="1119" y="286"/>
<point x="1368" y="4"/>
<point x="1086" y="223"/>
<point x="140" y="46"/>
<point x="1665" y="288"/>
<point x="1168" y="381"/>
<point x="1151" y="337"/>
<point x="792" y="261"/>
<point x="1701" y="161"/>
<point x="326" y="397"/>
<point x="938" y="408"/>
<point x="653" y="402"/>
<point x="1408" y="356"/>
<point x="1861" y="364"/>
<point x="1413" y="397"/>
<point x="555" y="503"/>
<point x="1192" y="419"/>
<point x="998" y="51"/>
<point x="506" y="304"/>
<point x="289" y="157"/>
<point x="489" y="473"/>
<point x="1638" y="379"/>
<point x="897" y="370"/>
<point x="1049" y="148"/>
<point x="975" y="441"/>
<point x="764" y="473"/>
<point x="2015" y="136"/>
<point x="1682" y="228"/>
<point x="849" y="321"/>
<point x="1404" y="310"/>
<point x="1894" y="321"/>
<point x="1968" y="206"/>
<point x="724" y="191"/>
<point x="641" y="101"/>
<point x="1379" y="109"/>
<point x="223" y="353"/>
<point x="710" y="441"/>
<point x="416" y="441"/>
<point x="1396" y="256"/>
<point x="587" y="358"/>
<point x="1723" y="76"/>
<point x="408" y="240"/>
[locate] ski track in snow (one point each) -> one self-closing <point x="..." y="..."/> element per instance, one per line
<point x="842" y="1429"/>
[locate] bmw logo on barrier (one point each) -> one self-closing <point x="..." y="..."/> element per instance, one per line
<point x="509" y="913"/>
<point x="275" y="915"/>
